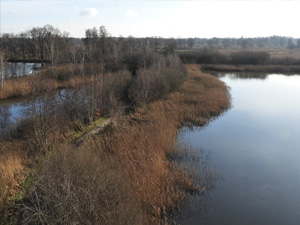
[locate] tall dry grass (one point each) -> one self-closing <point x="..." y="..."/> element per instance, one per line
<point x="15" y="88"/>
<point x="123" y="175"/>
<point x="12" y="170"/>
<point x="79" y="186"/>
<point x="22" y="86"/>
<point x="253" y="68"/>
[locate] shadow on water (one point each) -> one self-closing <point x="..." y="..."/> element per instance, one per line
<point x="196" y="163"/>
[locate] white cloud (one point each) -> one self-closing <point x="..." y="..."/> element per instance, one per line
<point x="88" y="12"/>
<point x="131" y="13"/>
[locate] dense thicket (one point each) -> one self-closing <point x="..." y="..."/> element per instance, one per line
<point x="235" y="58"/>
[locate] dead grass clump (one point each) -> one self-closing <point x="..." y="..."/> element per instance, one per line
<point x="139" y="149"/>
<point x="253" y="68"/>
<point x="202" y="96"/>
<point x="79" y="186"/>
<point x="12" y="170"/>
<point x="15" y="88"/>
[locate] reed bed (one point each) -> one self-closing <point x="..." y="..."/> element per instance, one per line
<point x="122" y="175"/>
<point x="132" y="157"/>
<point x="252" y="68"/>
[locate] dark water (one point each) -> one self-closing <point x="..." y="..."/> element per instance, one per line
<point x="11" y="111"/>
<point x="255" y="149"/>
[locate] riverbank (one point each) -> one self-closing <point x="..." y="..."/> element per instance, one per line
<point x="131" y="156"/>
<point x="251" y="68"/>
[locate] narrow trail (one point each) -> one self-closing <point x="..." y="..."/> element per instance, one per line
<point x="95" y="130"/>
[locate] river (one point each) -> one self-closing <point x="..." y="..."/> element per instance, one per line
<point x="254" y="150"/>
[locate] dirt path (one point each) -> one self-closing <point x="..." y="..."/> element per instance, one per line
<point x="96" y="130"/>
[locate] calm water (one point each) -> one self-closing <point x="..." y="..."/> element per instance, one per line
<point x="255" y="149"/>
<point x="21" y="69"/>
<point x="11" y="111"/>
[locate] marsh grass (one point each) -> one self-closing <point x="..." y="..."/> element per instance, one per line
<point x="253" y="68"/>
<point x="13" y="172"/>
<point x="22" y="86"/>
<point x="124" y="175"/>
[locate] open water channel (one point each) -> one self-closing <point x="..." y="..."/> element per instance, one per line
<point x="254" y="149"/>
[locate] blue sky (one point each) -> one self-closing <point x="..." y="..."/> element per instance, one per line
<point x="163" y="18"/>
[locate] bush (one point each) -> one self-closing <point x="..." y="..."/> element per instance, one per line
<point x="203" y="57"/>
<point x="174" y="77"/>
<point x="138" y="60"/>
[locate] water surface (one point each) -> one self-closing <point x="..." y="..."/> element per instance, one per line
<point x="21" y="69"/>
<point x="254" y="148"/>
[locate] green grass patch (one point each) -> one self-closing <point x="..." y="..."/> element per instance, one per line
<point x="90" y="127"/>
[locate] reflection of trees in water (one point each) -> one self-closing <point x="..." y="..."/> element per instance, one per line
<point x="197" y="164"/>
<point x="21" y="69"/>
<point x="5" y="123"/>
<point x="240" y="75"/>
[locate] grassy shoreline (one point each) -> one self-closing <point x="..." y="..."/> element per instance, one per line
<point x="251" y="68"/>
<point x="131" y="156"/>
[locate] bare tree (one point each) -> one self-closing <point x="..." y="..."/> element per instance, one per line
<point x="42" y="113"/>
<point x="191" y="42"/>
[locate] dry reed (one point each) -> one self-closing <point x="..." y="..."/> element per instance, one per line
<point x="131" y="157"/>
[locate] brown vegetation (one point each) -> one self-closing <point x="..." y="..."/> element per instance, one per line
<point x="243" y="61"/>
<point x="74" y="184"/>
<point x="23" y="86"/>
<point x="252" y="68"/>
<point x="12" y="170"/>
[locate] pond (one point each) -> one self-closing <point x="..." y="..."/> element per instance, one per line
<point x="254" y="149"/>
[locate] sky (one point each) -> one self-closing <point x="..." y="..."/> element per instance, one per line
<point x="156" y="18"/>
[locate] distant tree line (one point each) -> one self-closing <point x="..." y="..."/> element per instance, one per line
<point x="51" y="44"/>
<point x="236" y="58"/>
<point x="238" y="43"/>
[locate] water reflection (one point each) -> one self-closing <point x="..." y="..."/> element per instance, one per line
<point x="21" y="69"/>
<point x="197" y="164"/>
<point x="11" y="113"/>
<point x="255" y="147"/>
<point x="241" y="75"/>
<point x="4" y="119"/>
